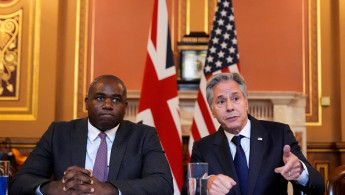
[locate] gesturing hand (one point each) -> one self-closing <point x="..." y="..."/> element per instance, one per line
<point x="292" y="168"/>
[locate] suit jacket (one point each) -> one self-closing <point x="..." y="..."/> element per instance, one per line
<point x="137" y="162"/>
<point x="266" y="154"/>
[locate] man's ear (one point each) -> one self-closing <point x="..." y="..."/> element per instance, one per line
<point x="247" y="105"/>
<point x="211" y="108"/>
<point x="126" y="104"/>
<point x="86" y="101"/>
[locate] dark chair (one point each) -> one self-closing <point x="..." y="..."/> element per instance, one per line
<point x="336" y="181"/>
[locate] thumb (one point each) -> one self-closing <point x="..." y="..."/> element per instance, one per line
<point x="286" y="153"/>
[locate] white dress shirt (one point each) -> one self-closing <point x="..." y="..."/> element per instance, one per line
<point x="93" y="142"/>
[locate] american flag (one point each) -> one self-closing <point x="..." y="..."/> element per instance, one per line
<point x="159" y="103"/>
<point x="222" y="56"/>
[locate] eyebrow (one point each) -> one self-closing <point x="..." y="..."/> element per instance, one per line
<point x="113" y="95"/>
<point x="233" y="93"/>
<point x="220" y="96"/>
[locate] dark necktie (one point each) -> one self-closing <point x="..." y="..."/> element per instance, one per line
<point x="100" y="166"/>
<point x="241" y="164"/>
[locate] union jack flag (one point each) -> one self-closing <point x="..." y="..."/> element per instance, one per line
<point x="222" y="56"/>
<point x="159" y="103"/>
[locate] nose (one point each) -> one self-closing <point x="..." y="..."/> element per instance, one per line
<point x="108" y="104"/>
<point x="229" y="105"/>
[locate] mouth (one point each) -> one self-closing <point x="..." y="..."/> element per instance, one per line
<point x="231" y="118"/>
<point x="106" y="115"/>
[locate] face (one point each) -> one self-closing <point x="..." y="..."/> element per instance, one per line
<point x="106" y="104"/>
<point x="229" y="106"/>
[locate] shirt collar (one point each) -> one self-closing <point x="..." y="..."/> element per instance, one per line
<point x="93" y="132"/>
<point x="245" y="131"/>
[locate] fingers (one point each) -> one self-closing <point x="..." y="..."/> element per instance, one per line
<point x="286" y="158"/>
<point x="220" y="184"/>
<point x="292" y="168"/>
<point x="289" y="174"/>
<point x="79" y="169"/>
<point x="191" y="185"/>
<point x="286" y="153"/>
<point x="78" y="187"/>
<point x="77" y="178"/>
<point x="78" y="173"/>
<point x="96" y="188"/>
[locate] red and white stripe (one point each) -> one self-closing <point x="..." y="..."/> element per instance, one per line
<point x="159" y="103"/>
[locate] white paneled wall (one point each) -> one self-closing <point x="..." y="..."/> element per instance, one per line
<point x="286" y="107"/>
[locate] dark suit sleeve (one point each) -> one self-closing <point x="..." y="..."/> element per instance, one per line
<point x="145" y="169"/>
<point x="316" y="183"/>
<point x="37" y="169"/>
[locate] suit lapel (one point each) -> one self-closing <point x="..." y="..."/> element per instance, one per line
<point x="223" y="155"/>
<point x="118" y="150"/>
<point x="258" y="145"/>
<point x="79" y="142"/>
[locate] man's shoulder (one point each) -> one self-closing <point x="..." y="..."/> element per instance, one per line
<point x="210" y="138"/>
<point x="266" y="124"/>
<point x="272" y="128"/>
<point x="137" y="127"/>
<point x="272" y="124"/>
<point x="70" y="122"/>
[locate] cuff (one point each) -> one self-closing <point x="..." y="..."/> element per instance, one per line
<point x="304" y="177"/>
<point x="38" y="190"/>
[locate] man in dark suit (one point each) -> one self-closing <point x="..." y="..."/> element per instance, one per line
<point x="64" y="158"/>
<point x="271" y="154"/>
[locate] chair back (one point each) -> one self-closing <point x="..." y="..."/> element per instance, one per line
<point x="336" y="181"/>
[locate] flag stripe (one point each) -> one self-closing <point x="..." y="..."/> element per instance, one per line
<point x="153" y="32"/>
<point x="195" y="132"/>
<point x="201" y="124"/>
<point x="206" y="115"/>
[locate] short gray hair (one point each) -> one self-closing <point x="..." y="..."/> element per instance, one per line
<point x="216" y="79"/>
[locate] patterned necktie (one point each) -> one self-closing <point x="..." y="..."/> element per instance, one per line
<point x="100" y="166"/>
<point x="241" y="164"/>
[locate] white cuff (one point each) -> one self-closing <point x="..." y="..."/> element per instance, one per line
<point x="304" y="177"/>
<point x="38" y="190"/>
